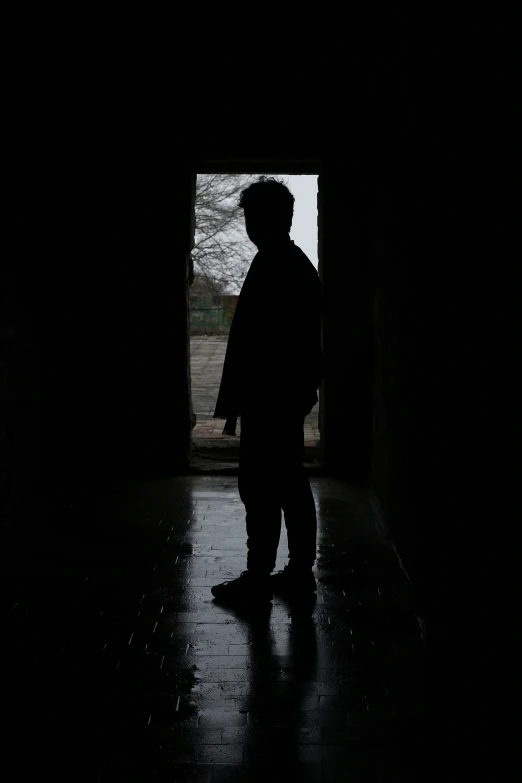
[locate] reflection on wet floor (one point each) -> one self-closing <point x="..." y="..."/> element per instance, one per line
<point x="153" y="681"/>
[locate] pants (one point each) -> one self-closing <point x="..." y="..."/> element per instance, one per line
<point x="272" y="479"/>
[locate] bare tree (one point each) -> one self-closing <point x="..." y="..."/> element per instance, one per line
<point x="222" y="251"/>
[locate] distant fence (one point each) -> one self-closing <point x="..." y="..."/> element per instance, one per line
<point x="212" y="314"/>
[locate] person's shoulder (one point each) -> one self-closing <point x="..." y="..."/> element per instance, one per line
<point x="304" y="264"/>
<point x="300" y="255"/>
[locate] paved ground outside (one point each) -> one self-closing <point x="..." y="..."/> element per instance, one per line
<point x="207" y="358"/>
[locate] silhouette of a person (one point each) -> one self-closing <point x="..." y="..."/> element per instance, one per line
<point x="272" y="371"/>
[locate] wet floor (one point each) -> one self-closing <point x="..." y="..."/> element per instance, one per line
<point x="122" y="667"/>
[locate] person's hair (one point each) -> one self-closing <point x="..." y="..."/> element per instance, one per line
<point x="269" y="197"/>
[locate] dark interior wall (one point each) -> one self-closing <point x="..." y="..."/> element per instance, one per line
<point x="94" y="319"/>
<point x="347" y="322"/>
<point x="123" y="237"/>
<point x="125" y="384"/>
<point x="23" y="238"/>
<point x="416" y="268"/>
<point x="20" y="382"/>
<point x="396" y="363"/>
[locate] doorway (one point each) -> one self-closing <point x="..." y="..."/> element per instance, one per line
<point x="220" y="258"/>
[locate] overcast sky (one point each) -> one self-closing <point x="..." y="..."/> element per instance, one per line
<point x="304" y="224"/>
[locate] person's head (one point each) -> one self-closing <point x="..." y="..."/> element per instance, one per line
<point x="269" y="209"/>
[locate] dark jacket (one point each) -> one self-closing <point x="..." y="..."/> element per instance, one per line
<point x="273" y="362"/>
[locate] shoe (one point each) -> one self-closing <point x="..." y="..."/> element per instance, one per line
<point x="292" y="583"/>
<point x="246" y="590"/>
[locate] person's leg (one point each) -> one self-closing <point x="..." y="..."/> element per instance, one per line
<point x="299" y="509"/>
<point x="301" y="522"/>
<point x="259" y="489"/>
